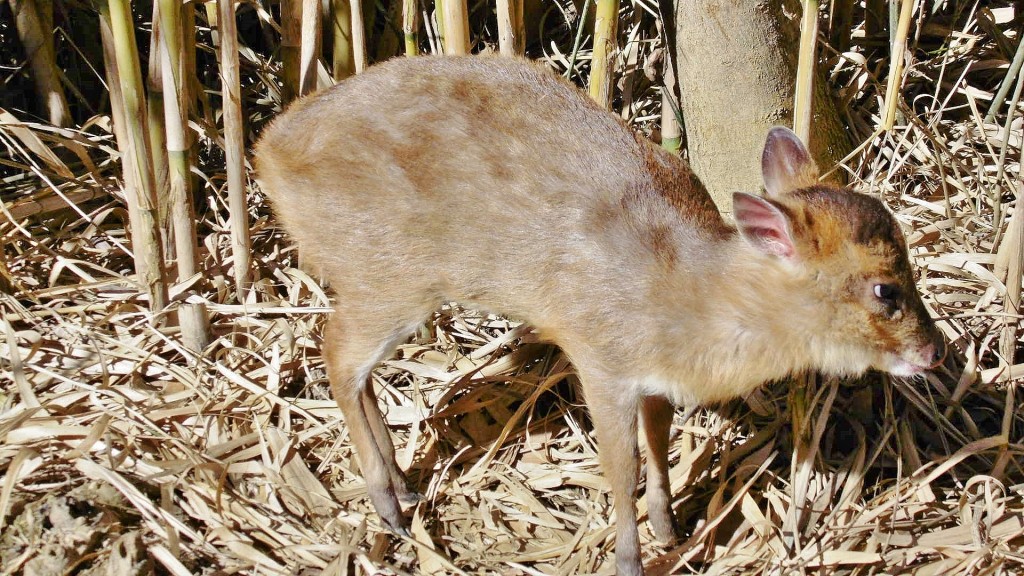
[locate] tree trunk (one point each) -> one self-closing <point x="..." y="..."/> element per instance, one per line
<point x="736" y="64"/>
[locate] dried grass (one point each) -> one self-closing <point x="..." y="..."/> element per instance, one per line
<point x="124" y="452"/>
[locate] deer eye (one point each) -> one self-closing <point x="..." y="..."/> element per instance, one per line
<point x="888" y="294"/>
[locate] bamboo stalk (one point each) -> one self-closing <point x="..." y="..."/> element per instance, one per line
<point x="309" y="51"/>
<point x="800" y="403"/>
<point x="192" y="317"/>
<point x="671" y="132"/>
<point x="37" y="39"/>
<point x="1009" y="263"/>
<point x="341" y="25"/>
<point x="234" y="147"/>
<point x="802" y="105"/>
<point x="1009" y="267"/>
<point x="577" y="41"/>
<point x="410" y="27"/>
<point x="116" y="98"/>
<point x="142" y="200"/>
<point x="359" y="57"/>
<point x="455" y="14"/>
<point x="899" y="46"/>
<point x="291" y="45"/>
<point x="511" y="28"/>
<point x="1013" y="248"/>
<point x="439" y="24"/>
<point x="997" y="206"/>
<point x="1004" y="87"/>
<point x="603" y="62"/>
<point x="157" y="135"/>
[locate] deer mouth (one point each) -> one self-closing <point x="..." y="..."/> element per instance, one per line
<point x="916" y="361"/>
<point x="898" y="366"/>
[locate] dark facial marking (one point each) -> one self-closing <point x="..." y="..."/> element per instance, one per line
<point x="869" y="220"/>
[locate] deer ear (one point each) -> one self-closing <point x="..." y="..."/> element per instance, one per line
<point x="785" y="163"/>
<point x="763" y="225"/>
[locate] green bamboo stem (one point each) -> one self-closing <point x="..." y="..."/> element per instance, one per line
<point x="234" y="148"/>
<point x="997" y="206"/>
<point x="802" y="105"/>
<point x="142" y="201"/>
<point x="157" y="136"/>
<point x="578" y="40"/>
<point x="116" y="98"/>
<point x="671" y="131"/>
<point x="192" y="317"/>
<point x="605" y="45"/>
<point x="899" y="44"/>
<point x="439" y="21"/>
<point x="410" y="27"/>
<point x="1008" y="81"/>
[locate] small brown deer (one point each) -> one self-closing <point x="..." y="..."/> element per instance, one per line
<point x="492" y="182"/>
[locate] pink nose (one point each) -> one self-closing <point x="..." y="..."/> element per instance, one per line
<point x="934" y="353"/>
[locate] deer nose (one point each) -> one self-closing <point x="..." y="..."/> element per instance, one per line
<point x="935" y="352"/>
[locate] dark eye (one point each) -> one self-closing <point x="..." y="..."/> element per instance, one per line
<point x="887" y="293"/>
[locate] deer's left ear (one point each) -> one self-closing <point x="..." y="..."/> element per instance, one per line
<point x="786" y="165"/>
<point x="763" y="225"/>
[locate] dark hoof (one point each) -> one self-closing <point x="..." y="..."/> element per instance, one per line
<point x="398" y="530"/>
<point x="410" y="498"/>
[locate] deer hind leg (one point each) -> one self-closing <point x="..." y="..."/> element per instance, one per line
<point x="656" y="415"/>
<point x="352" y="347"/>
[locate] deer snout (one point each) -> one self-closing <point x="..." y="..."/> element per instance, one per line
<point x="935" y="352"/>
<point x="918" y="357"/>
